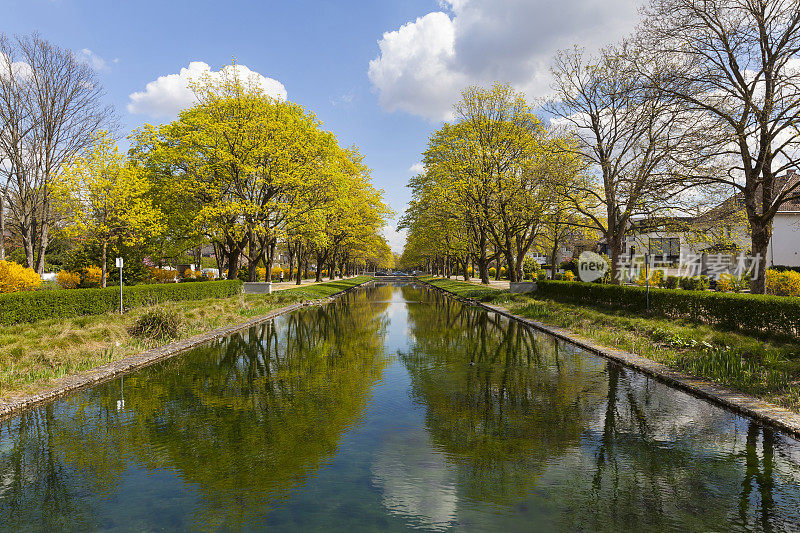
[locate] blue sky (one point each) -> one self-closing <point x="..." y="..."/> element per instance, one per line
<point x="380" y="74"/>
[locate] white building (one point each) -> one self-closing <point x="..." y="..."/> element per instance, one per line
<point x="720" y="230"/>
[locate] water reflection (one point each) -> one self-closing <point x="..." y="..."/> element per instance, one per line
<point x="310" y="422"/>
<point x="538" y="429"/>
<point x="242" y="421"/>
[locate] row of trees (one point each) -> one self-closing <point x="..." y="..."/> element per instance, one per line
<point x="490" y="184"/>
<point x="251" y="175"/>
<point x="700" y="104"/>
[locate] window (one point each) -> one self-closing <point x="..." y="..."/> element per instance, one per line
<point x="667" y="246"/>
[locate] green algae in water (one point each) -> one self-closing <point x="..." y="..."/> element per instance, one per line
<point x="393" y="408"/>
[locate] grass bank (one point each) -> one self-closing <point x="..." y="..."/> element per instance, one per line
<point x="33" y="355"/>
<point x="761" y="365"/>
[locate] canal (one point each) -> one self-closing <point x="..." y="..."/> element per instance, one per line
<point x="393" y="408"/>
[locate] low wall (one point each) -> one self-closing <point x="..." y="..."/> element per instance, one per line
<point x="522" y="286"/>
<point x="257" y="287"/>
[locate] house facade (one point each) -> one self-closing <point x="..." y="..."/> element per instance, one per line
<point x="720" y="230"/>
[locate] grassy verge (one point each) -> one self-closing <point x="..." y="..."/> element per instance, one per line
<point x="32" y="355"/>
<point x="761" y="365"/>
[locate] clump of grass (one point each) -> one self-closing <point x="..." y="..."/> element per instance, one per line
<point x="158" y="323"/>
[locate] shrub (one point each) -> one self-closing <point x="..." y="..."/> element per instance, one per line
<point x="190" y="274"/>
<point x="746" y="312"/>
<point x="492" y="272"/>
<point x="783" y="283"/>
<point x="15" y="277"/>
<point x="541" y="276"/>
<point x="655" y="278"/>
<point x="694" y="283"/>
<point x="38" y="305"/>
<point x="569" y="276"/>
<point x="570" y="265"/>
<point x="92" y="276"/>
<point x="725" y="282"/>
<point x="157" y="324"/>
<point x="670" y="282"/>
<point x="68" y="280"/>
<point x="161" y="275"/>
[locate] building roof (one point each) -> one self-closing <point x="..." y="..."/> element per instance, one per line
<point x="789" y="182"/>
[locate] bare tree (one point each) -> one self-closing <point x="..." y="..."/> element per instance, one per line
<point x="625" y="132"/>
<point x="51" y="105"/>
<point x="735" y="64"/>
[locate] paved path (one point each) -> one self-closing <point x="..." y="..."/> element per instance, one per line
<point x="282" y="286"/>
<point x="498" y="284"/>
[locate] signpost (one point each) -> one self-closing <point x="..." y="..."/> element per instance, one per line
<point x="647" y="278"/>
<point x="119" y="266"/>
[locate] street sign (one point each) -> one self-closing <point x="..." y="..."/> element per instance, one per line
<point x="119" y="262"/>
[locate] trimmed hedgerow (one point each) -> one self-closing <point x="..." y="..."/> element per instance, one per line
<point x="67" y="303"/>
<point x="745" y="312"/>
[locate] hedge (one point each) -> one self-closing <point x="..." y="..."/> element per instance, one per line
<point x="30" y="306"/>
<point x="746" y="312"/>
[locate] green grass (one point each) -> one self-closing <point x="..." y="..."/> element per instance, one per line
<point x="32" y="355"/>
<point x="761" y="365"/>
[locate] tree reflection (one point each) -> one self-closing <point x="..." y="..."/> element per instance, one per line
<point x="498" y="400"/>
<point x="245" y="420"/>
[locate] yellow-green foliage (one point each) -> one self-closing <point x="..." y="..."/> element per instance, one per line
<point x="68" y="280"/>
<point x="725" y="282"/>
<point x="783" y="283"/>
<point x="655" y="278"/>
<point x="14" y="277"/>
<point x="191" y="274"/>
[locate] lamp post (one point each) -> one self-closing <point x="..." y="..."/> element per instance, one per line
<point x="120" y="262"/>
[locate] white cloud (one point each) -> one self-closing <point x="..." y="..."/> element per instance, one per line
<point x="343" y="100"/>
<point x="395" y="238"/>
<point x="169" y="94"/>
<point x="417" y="168"/>
<point x="18" y="68"/>
<point x="92" y="59"/>
<point x="423" y="65"/>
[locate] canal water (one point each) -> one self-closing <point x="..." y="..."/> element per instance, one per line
<point x="393" y="408"/>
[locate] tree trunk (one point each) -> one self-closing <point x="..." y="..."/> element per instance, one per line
<point x="553" y="259"/>
<point x="44" y="239"/>
<point x="299" y="279"/>
<point x="615" y="249"/>
<point x="483" y="270"/>
<point x="2" y="227"/>
<point x="318" y="277"/>
<point x="103" y="267"/>
<point x="762" y="233"/>
<point x="233" y="263"/>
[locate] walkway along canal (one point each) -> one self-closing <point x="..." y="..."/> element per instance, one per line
<point x="394" y="407"/>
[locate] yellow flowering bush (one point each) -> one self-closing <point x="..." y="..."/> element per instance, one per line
<point x="15" y="277"/>
<point x="161" y="275"/>
<point x="68" y="280"/>
<point x="569" y="275"/>
<point x="655" y="277"/>
<point x="191" y="274"/>
<point x="92" y="276"/>
<point x="725" y="282"/>
<point x="783" y="283"/>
